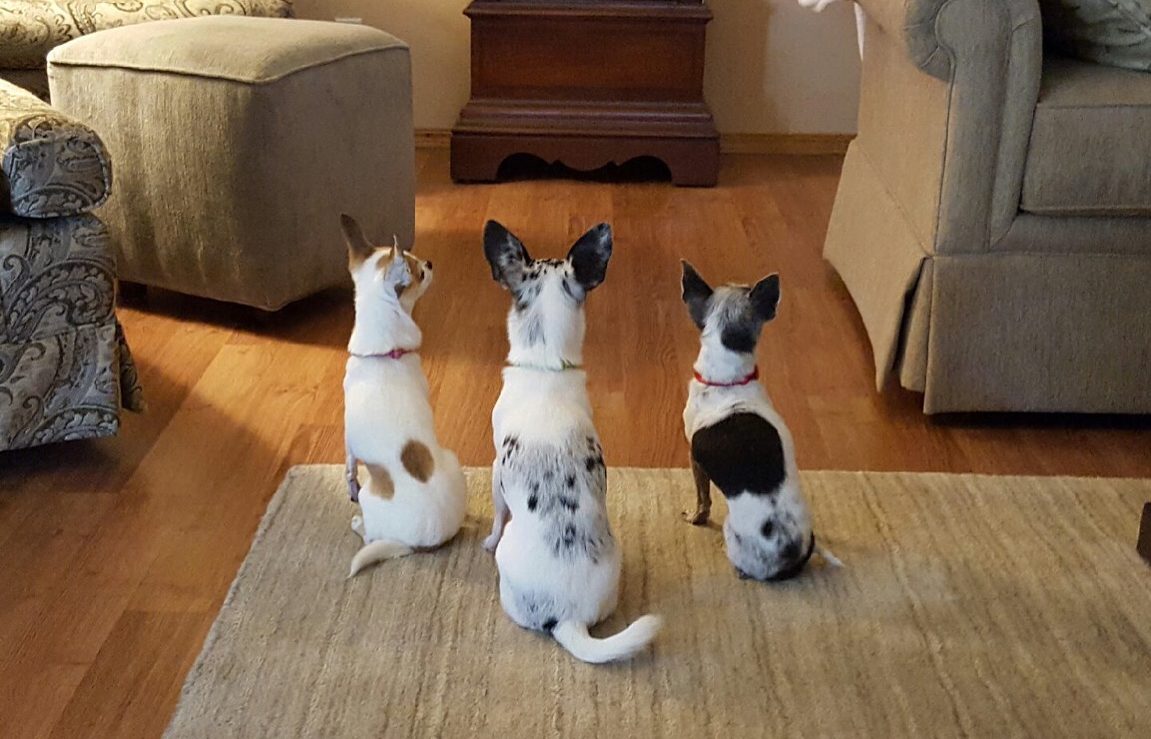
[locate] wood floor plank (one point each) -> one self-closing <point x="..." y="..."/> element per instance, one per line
<point x="118" y="552"/>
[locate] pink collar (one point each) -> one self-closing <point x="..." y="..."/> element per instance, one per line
<point x="752" y="377"/>
<point x="393" y="354"/>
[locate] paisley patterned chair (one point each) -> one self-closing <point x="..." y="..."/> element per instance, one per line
<point x="29" y="29"/>
<point x="65" y="369"/>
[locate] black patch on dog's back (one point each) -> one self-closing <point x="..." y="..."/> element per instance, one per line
<point x="743" y="452"/>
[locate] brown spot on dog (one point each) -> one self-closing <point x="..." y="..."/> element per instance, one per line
<point x="359" y="248"/>
<point x="417" y="459"/>
<point x="381" y="484"/>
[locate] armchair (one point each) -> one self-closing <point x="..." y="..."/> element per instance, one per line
<point x="993" y="220"/>
<point x="65" y="369"/>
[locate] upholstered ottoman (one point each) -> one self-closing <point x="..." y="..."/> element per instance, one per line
<point x="237" y="143"/>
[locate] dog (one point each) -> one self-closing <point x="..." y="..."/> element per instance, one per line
<point x="416" y="494"/>
<point x="737" y="438"/>
<point x="558" y="562"/>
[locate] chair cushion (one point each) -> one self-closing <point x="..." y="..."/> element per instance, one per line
<point x="1090" y="150"/>
<point x="32" y="28"/>
<point x="52" y="165"/>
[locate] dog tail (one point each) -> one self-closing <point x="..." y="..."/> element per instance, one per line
<point x="573" y="637"/>
<point x="377" y="551"/>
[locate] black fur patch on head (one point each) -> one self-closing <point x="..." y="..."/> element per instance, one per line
<point x="696" y="295"/>
<point x="740" y="337"/>
<point x="767" y="529"/>
<point x="589" y="256"/>
<point x="741" y="453"/>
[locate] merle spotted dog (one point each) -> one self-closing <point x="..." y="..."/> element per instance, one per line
<point x="738" y="440"/>
<point x="558" y="561"/>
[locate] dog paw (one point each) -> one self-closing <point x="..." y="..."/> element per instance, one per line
<point x="699" y="518"/>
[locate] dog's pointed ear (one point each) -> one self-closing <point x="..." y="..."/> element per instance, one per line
<point x="589" y="256"/>
<point x="506" y="255"/>
<point x="398" y="272"/>
<point x="359" y="248"/>
<point x="696" y="294"/>
<point x="765" y="297"/>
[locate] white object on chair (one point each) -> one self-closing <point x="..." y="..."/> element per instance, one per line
<point x="860" y="17"/>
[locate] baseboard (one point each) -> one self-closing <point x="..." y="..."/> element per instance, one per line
<point x="729" y="143"/>
<point x="784" y="143"/>
<point x="433" y="138"/>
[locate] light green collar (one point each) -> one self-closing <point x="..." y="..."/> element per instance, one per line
<point x="537" y="368"/>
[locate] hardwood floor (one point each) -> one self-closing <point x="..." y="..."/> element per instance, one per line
<point x="117" y="554"/>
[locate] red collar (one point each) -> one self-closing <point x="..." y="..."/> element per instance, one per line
<point x="750" y="378"/>
<point x="393" y="354"/>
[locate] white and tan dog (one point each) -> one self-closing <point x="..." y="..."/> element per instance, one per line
<point x="416" y="493"/>
<point x="737" y="438"/>
<point x="558" y="561"/>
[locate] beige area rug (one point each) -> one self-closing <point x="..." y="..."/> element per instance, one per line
<point x="969" y="606"/>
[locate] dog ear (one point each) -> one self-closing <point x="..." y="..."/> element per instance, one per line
<point x="506" y="255"/>
<point x="398" y="272"/>
<point x="359" y="248"/>
<point x="765" y="297"/>
<point x="696" y="294"/>
<point x="589" y="256"/>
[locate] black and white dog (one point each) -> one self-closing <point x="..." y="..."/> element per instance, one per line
<point x="558" y="561"/>
<point x="737" y="438"/>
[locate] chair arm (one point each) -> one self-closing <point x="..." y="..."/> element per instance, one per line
<point x="51" y="165"/>
<point x="971" y="69"/>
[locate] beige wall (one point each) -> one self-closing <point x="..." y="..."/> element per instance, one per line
<point x="772" y="67"/>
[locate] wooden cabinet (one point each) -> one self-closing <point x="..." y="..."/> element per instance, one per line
<point x="587" y="84"/>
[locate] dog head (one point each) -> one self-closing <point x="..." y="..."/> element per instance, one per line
<point x="769" y="543"/>
<point x="546" y="320"/>
<point x="730" y="316"/>
<point x="384" y="273"/>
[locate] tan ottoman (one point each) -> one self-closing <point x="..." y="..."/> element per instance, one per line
<point x="237" y="142"/>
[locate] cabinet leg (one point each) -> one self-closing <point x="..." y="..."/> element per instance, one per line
<point x="1144" y="545"/>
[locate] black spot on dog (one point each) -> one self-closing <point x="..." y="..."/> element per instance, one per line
<point x="569" y="535"/>
<point x="768" y="529"/>
<point x="533" y="501"/>
<point x="567" y="288"/>
<point x="590" y="463"/>
<point x="791" y="552"/>
<point x="535" y="487"/>
<point x="739" y="337"/>
<point x="741" y="453"/>
<point x="570" y="481"/>
<point x="569" y="503"/>
<point x="550" y="625"/>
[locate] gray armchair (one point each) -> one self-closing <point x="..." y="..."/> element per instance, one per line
<point x="993" y="221"/>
